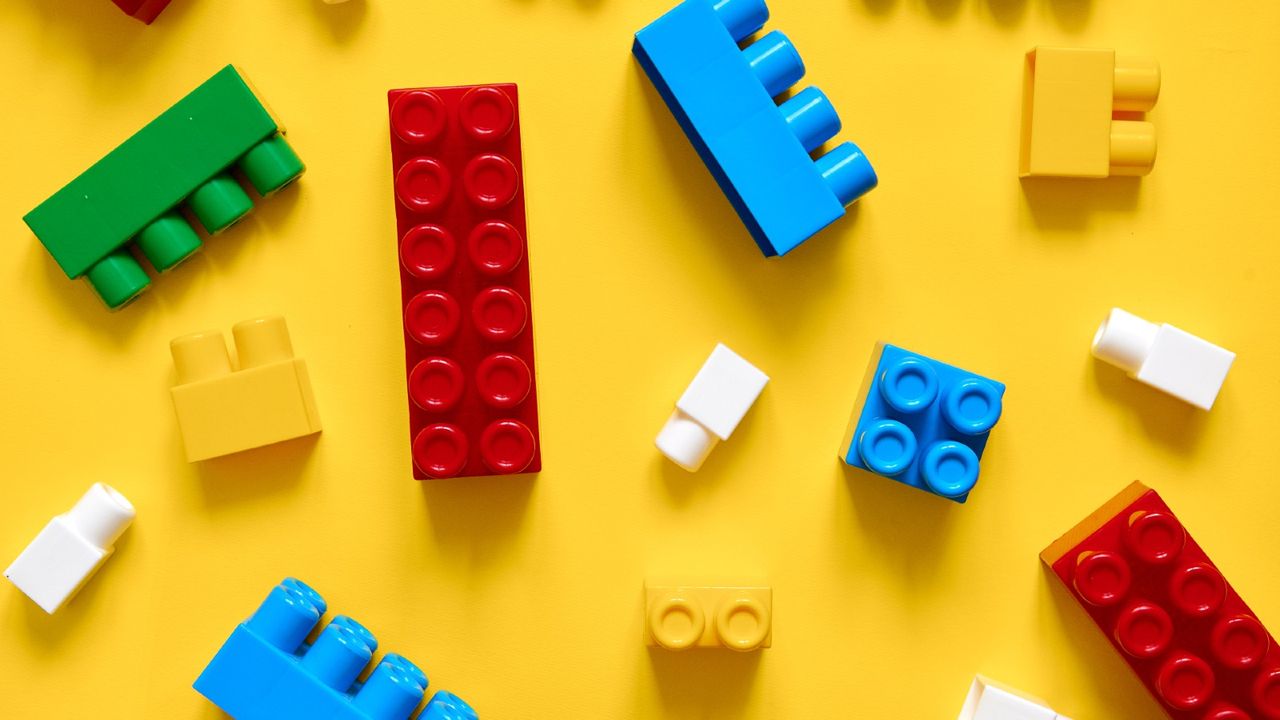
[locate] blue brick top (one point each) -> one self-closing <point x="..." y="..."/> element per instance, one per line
<point x="758" y="151"/>
<point x="922" y="422"/>
<point x="266" y="670"/>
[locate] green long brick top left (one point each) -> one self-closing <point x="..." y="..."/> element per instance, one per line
<point x="182" y="158"/>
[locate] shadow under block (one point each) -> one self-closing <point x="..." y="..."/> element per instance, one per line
<point x="182" y="159"/>
<point x="267" y="671"/>
<point x="1070" y="98"/>
<point x="922" y="422"/>
<point x="267" y="400"/>
<point x="144" y="10"/>
<point x="758" y="151"/>
<point x="988" y="700"/>
<point x="71" y="548"/>
<point x="678" y="617"/>
<point x="1168" y="611"/>
<point x="464" y="281"/>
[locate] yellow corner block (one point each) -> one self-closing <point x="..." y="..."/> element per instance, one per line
<point x="679" y="617"/>
<point x="267" y="400"/>
<point x="1069" y="101"/>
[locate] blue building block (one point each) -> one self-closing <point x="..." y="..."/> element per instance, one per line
<point x="922" y="422"/>
<point x="757" y="150"/>
<point x="267" y="671"/>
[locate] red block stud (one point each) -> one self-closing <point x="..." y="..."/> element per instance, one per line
<point x="464" y="281"/>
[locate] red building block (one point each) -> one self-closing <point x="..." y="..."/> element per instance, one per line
<point x="1167" y="609"/>
<point x="464" y="281"/>
<point x="144" y="10"/>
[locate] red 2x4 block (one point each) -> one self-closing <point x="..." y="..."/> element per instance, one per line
<point x="1174" y="618"/>
<point x="464" y="281"/>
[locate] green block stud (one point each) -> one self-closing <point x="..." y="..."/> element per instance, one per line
<point x="118" y="278"/>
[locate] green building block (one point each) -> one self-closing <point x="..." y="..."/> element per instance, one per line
<point x="182" y="158"/>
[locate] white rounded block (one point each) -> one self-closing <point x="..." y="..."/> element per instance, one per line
<point x="988" y="700"/>
<point x="1164" y="357"/>
<point x="685" y="442"/>
<point x="1124" y="340"/>
<point x="711" y="407"/>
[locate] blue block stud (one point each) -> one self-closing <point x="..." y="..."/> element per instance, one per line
<point x="758" y="151"/>
<point x="922" y="422"/>
<point x="266" y="669"/>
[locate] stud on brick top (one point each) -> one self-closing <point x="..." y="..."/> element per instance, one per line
<point x="757" y="150"/>
<point x="922" y="422"/>
<point x="678" y="617"/>
<point x="267" y="671"/>
<point x="464" y="280"/>
<point x="1164" y="357"/>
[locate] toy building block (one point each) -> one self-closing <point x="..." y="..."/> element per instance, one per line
<point x="144" y="10"/>
<point x="267" y="671"/>
<point x="1170" y="613"/>
<point x="711" y="407"/>
<point x="266" y="400"/>
<point x="464" y="281"/>
<point x="680" y="617"/>
<point x="922" y="422"/>
<point x="758" y="151"/>
<point x="990" y="700"/>
<point x="1163" y="357"/>
<point x="1070" y="98"/>
<point x="71" y="548"/>
<point x="182" y="159"/>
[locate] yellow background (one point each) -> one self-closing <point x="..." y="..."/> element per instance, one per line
<point x="524" y="594"/>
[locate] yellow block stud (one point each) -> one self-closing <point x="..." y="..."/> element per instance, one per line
<point x="267" y="400"/>
<point x="679" y="617"/>
<point x="1069" y="103"/>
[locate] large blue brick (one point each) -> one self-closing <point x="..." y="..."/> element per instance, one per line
<point x="758" y="151"/>
<point x="267" y="671"/>
<point x="922" y="422"/>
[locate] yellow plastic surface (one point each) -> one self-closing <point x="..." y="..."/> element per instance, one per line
<point x="679" y="617"/>
<point x="267" y="400"/>
<point x="524" y="595"/>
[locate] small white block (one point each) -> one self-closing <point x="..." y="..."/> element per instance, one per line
<point x="71" y="548"/>
<point x="1164" y="357"/>
<point x="711" y="407"/>
<point x="992" y="701"/>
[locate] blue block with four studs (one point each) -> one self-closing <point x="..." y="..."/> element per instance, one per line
<point x="267" y="671"/>
<point x="758" y="150"/>
<point x="922" y="422"/>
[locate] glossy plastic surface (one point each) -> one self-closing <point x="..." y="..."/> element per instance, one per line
<point x="922" y="422"/>
<point x="988" y="700"/>
<point x="144" y="10"/>
<point x="678" y="617"/>
<point x="464" y="280"/>
<point x="267" y="671"/>
<point x="723" y="98"/>
<point x="1168" y="611"/>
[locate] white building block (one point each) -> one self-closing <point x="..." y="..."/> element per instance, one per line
<point x="71" y="548"/>
<point x="1163" y="357"/>
<point x="988" y="700"/>
<point x="712" y="406"/>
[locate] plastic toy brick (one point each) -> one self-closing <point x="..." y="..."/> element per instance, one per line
<point x="71" y="548"/>
<point x="758" y="151"/>
<point x="1167" y="609"/>
<point x="990" y="700"/>
<point x="182" y="159"/>
<point x="144" y="10"/>
<point x="681" y="617"/>
<point x="267" y="400"/>
<point x="464" y="281"/>
<point x="1163" y="357"/>
<point x="711" y="407"/>
<point x="1069" y="126"/>
<point x="922" y="422"/>
<point x="267" y="671"/>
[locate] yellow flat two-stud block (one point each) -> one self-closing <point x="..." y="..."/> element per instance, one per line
<point x="680" y="616"/>
<point x="267" y="400"/>
<point x="1069" y="101"/>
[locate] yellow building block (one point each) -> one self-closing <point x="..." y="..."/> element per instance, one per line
<point x="681" y="616"/>
<point x="267" y="400"/>
<point x="1070" y="99"/>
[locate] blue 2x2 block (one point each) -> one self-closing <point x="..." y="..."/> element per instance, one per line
<point x="267" y="671"/>
<point x="922" y="422"/>
<point x="757" y="150"/>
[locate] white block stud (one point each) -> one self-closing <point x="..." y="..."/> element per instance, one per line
<point x="988" y="700"/>
<point x="1163" y="357"/>
<point x="71" y="548"/>
<point x="711" y="407"/>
